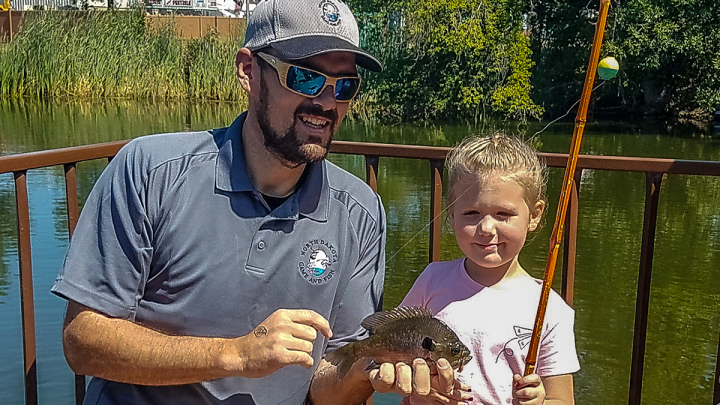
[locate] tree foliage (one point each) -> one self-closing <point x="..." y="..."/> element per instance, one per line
<point x="669" y="54"/>
<point x="561" y="34"/>
<point x="449" y="59"/>
<point x="671" y="50"/>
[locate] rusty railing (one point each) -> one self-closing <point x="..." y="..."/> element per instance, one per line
<point x="654" y="170"/>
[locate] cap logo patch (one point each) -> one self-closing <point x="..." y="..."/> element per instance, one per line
<point x="316" y="260"/>
<point x="330" y="12"/>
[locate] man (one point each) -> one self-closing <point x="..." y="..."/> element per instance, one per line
<point x="204" y="264"/>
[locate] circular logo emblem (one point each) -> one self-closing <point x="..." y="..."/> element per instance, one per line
<point x="316" y="260"/>
<point x="330" y="12"/>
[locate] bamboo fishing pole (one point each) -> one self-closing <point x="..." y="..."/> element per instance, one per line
<point x="556" y="236"/>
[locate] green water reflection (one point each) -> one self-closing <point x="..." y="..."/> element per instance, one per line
<point x="685" y="303"/>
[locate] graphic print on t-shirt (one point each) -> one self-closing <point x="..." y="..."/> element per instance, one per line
<point x="522" y="336"/>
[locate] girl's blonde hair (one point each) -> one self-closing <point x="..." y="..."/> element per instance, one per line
<point x="498" y="154"/>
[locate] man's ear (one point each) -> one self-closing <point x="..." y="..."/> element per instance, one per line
<point x="243" y="68"/>
<point x="536" y="215"/>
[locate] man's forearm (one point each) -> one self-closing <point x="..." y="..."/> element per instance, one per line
<point x="123" y="351"/>
<point x="327" y="389"/>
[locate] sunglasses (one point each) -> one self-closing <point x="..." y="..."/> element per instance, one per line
<point x="311" y="83"/>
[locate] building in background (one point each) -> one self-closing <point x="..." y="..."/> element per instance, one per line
<point x="227" y="8"/>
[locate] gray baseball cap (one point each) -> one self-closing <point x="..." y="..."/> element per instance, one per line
<point x="298" y="29"/>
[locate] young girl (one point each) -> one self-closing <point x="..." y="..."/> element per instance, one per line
<point x="496" y="197"/>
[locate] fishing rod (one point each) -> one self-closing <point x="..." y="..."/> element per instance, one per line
<point x="556" y="236"/>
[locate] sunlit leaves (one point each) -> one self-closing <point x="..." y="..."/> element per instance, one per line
<point x="454" y="60"/>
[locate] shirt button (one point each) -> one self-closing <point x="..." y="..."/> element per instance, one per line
<point x="261" y="245"/>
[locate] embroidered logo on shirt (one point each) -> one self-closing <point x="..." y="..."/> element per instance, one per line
<point x="522" y="335"/>
<point x="317" y="258"/>
<point x="330" y="12"/>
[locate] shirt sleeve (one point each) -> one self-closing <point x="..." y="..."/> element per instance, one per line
<point x="109" y="255"/>
<point x="557" y="354"/>
<point x="364" y="292"/>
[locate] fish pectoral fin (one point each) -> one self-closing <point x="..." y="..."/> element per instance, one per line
<point x="372" y="366"/>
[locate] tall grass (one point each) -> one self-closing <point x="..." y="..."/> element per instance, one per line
<point x="105" y="54"/>
<point x="116" y="54"/>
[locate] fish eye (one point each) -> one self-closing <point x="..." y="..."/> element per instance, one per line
<point x="455" y="351"/>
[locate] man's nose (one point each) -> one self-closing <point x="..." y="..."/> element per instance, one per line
<point x="326" y="99"/>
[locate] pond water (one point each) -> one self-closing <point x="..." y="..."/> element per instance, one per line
<point x="685" y="302"/>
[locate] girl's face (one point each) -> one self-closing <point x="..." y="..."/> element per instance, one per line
<point x="491" y="221"/>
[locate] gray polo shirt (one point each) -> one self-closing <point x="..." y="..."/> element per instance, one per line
<point x="174" y="236"/>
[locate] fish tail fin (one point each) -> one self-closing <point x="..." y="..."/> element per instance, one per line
<point x="343" y="358"/>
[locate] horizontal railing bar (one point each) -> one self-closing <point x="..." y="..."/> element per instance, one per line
<point x="34" y="160"/>
<point x="638" y="164"/>
<point x="617" y="163"/>
<point x="56" y="157"/>
<point x="390" y="150"/>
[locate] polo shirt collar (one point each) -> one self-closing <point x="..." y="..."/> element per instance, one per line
<point x="230" y="173"/>
<point x="313" y="197"/>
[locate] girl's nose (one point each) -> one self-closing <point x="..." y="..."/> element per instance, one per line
<point x="487" y="225"/>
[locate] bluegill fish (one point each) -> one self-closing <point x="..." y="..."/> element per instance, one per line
<point x="402" y="334"/>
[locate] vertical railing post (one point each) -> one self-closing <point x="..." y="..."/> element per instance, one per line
<point x="26" y="287"/>
<point x="436" y="170"/>
<point x="371" y="169"/>
<point x="570" y="242"/>
<point x="716" y="394"/>
<point x="71" y="199"/>
<point x="652" y="196"/>
<point x="71" y="196"/>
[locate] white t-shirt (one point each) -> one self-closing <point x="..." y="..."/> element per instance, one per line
<point x="496" y="324"/>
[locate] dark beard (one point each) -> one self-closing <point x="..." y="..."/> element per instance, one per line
<point x="288" y="147"/>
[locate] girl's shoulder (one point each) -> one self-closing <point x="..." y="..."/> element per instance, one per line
<point x="530" y="287"/>
<point x="437" y="274"/>
<point x="437" y="271"/>
<point x="444" y="266"/>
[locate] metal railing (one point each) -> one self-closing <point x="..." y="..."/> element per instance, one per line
<point x="654" y="170"/>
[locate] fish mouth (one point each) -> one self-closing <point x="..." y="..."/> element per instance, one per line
<point x="463" y="361"/>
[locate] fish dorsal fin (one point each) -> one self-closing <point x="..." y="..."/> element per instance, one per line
<point x="376" y="320"/>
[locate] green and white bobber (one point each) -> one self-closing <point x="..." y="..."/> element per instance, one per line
<point x="608" y="68"/>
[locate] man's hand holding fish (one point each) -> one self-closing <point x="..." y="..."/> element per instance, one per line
<point x="428" y="388"/>
<point x="410" y="353"/>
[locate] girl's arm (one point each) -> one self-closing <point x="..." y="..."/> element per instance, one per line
<point x="559" y="390"/>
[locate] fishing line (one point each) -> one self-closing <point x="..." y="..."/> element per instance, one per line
<point x="450" y="205"/>
<point x="562" y="116"/>
<point x="426" y="226"/>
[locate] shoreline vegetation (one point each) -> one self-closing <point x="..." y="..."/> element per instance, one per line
<point x="445" y="61"/>
<point x="113" y="54"/>
<point x="116" y="54"/>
